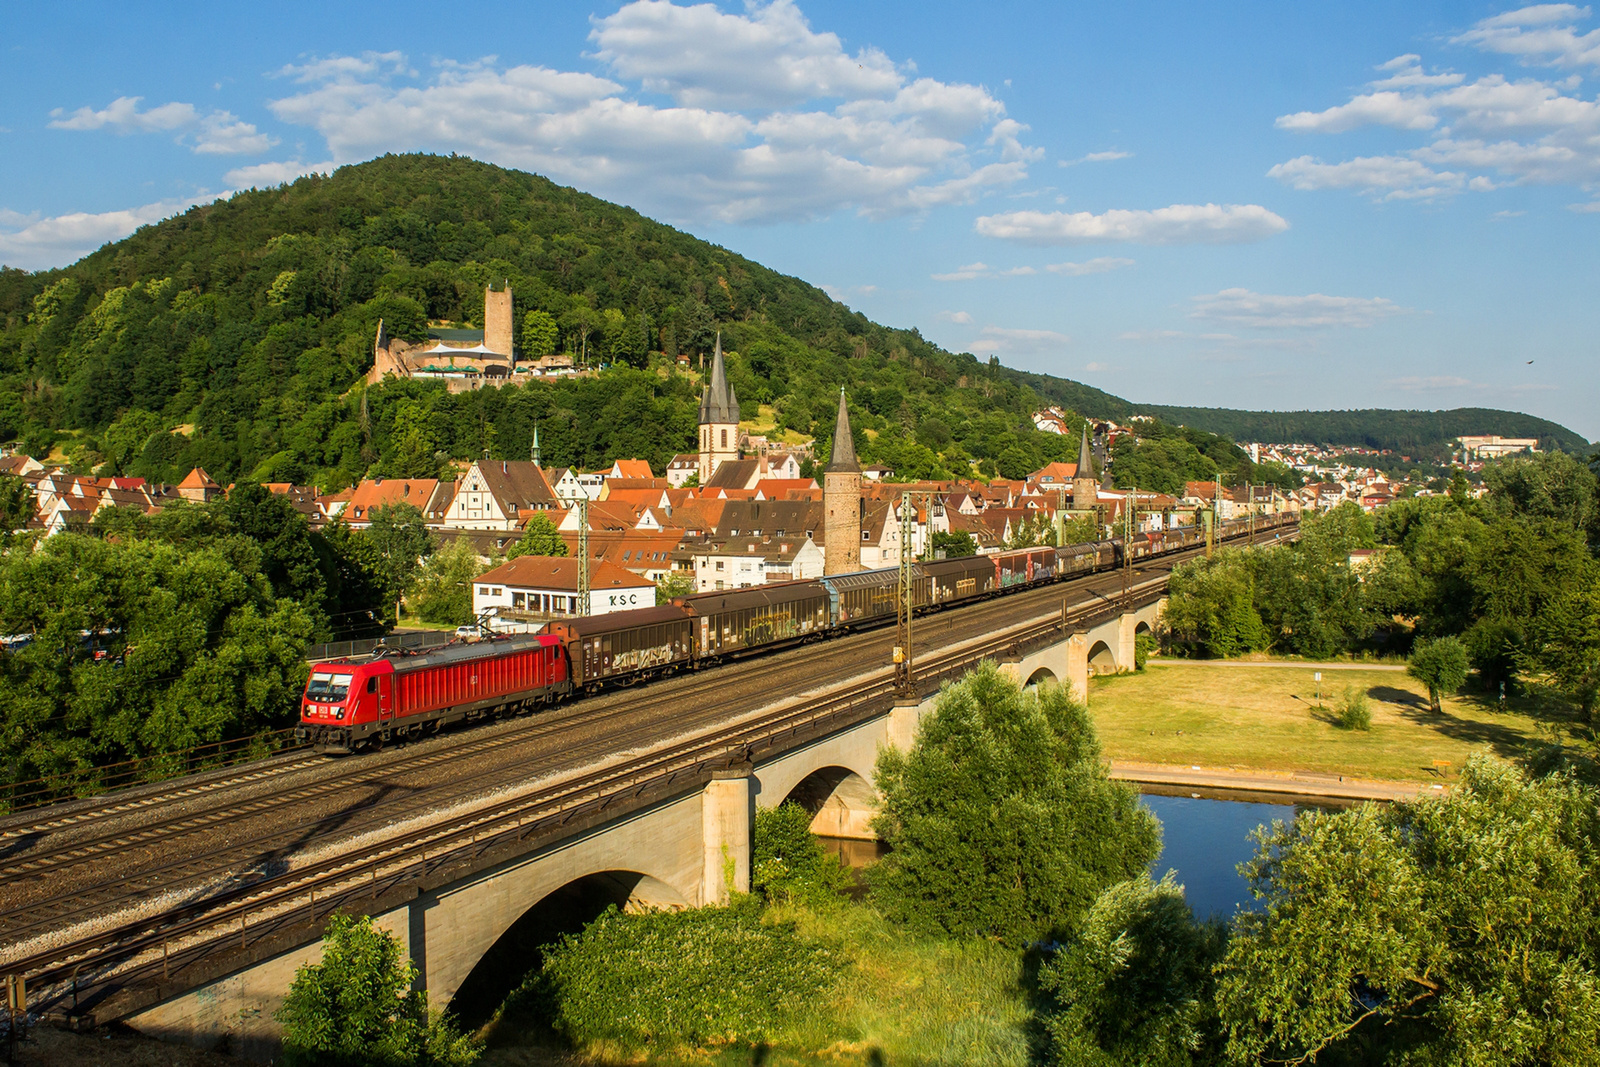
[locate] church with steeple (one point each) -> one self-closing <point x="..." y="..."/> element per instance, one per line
<point x="719" y="419"/>
<point x="841" y="501"/>
<point x="1085" y="486"/>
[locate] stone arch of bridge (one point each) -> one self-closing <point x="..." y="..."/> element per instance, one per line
<point x="564" y="910"/>
<point x="1042" y="676"/>
<point x="841" y="801"/>
<point x="1102" y="659"/>
<point x="1142" y="628"/>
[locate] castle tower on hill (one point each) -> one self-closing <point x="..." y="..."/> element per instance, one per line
<point x="719" y="419"/>
<point x="841" y="501"/>
<point x="497" y="320"/>
<point x="1085" y="486"/>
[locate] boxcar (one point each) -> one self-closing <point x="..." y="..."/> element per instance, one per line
<point x="733" y="621"/>
<point x="349" y="705"/>
<point x="625" y="646"/>
<point x="862" y="597"/>
<point x="1077" y="559"/>
<point x="1024" y="566"/>
<point x="953" y="580"/>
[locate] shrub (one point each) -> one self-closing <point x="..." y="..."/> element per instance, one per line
<point x="357" y="1007"/>
<point x="1001" y="821"/>
<point x="1143" y="646"/>
<point x="706" y="976"/>
<point x="789" y="864"/>
<point x="1355" y="713"/>
<point x="1134" y="985"/>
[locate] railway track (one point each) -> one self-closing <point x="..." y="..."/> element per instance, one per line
<point x="313" y="888"/>
<point x="304" y="895"/>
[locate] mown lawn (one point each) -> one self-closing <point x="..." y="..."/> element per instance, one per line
<point x="1267" y="718"/>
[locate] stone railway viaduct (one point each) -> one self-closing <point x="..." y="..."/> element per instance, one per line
<point x="682" y="850"/>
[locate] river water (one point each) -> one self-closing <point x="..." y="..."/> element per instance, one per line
<point x="1204" y="839"/>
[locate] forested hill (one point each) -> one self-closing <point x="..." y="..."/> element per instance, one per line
<point x="236" y="337"/>
<point x="1424" y="433"/>
<point x="1413" y="432"/>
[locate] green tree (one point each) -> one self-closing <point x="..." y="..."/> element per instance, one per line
<point x="1441" y="665"/>
<point x="788" y="863"/>
<point x="399" y="535"/>
<point x="1457" y="930"/>
<point x="539" y="538"/>
<point x="674" y="584"/>
<point x="358" y="1007"/>
<point x="16" y="507"/>
<point x="1001" y="821"/>
<point x="443" y="592"/>
<point x="953" y="544"/>
<point x="540" y="334"/>
<point x="1134" y="983"/>
<point x="1564" y="641"/>
<point x="1211" y="606"/>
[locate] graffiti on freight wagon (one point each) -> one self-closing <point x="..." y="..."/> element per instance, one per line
<point x="638" y="659"/>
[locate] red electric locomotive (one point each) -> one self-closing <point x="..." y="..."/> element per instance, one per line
<point x="349" y="705"/>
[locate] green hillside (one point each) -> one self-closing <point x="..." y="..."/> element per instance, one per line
<point x="236" y="337"/>
<point x="1412" y="432"/>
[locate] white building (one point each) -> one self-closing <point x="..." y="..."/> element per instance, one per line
<point x="535" y="589"/>
<point x="742" y="562"/>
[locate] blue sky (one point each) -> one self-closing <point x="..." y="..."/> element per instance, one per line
<point x="1278" y="206"/>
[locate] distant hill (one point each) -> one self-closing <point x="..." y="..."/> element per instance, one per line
<point x="1411" y="432"/>
<point x="237" y="336"/>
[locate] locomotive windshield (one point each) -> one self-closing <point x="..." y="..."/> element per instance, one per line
<point x="328" y="687"/>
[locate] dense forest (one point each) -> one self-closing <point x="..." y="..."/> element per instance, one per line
<point x="1414" y="433"/>
<point x="236" y="336"/>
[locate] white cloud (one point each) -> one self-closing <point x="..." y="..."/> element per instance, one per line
<point x="963" y="317"/>
<point x="1095" y="368"/>
<point x="1431" y="383"/>
<point x="1585" y="209"/>
<point x="1003" y="339"/>
<point x="1315" y="310"/>
<point x="743" y="139"/>
<point x="222" y="134"/>
<point x="1097" y="265"/>
<point x="767" y="58"/>
<point x="36" y="243"/>
<point x="1096" y="157"/>
<point x="1178" y="224"/>
<point x="219" y="133"/>
<point x="1542" y="33"/>
<point x="1490" y="131"/>
<point x="346" y="68"/>
<point x="1213" y="342"/>
<point x="1400" y="110"/>
<point x="1397" y="177"/>
<point x="266" y="175"/>
<point x="122" y="115"/>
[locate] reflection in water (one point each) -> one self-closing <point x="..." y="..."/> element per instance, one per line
<point x="857" y="855"/>
<point x="1205" y="840"/>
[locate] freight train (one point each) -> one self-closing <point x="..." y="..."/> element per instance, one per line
<point x="353" y="705"/>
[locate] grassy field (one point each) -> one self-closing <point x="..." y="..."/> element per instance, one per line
<point x="1266" y="717"/>
<point x="904" y="1000"/>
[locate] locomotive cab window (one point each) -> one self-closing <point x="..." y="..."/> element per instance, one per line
<point x="328" y="687"/>
<point x="372" y="684"/>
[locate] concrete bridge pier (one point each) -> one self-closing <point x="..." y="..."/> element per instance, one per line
<point x="727" y="812"/>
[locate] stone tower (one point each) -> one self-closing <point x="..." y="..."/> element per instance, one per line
<point x="1085" y="486"/>
<point x="719" y="419"/>
<point x="497" y="320"/>
<point x="841" y="501"/>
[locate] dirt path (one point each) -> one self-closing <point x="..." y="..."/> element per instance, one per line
<point x="1295" y="664"/>
<point x="1290" y="783"/>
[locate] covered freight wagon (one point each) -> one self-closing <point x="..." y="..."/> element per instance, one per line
<point x="732" y="621"/>
<point x="863" y="596"/>
<point x="957" y="579"/>
<point x="625" y="646"/>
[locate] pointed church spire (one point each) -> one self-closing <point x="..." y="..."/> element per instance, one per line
<point x="534" y="451"/>
<point x="1085" y="456"/>
<point x="844" y="445"/>
<point x="718" y="404"/>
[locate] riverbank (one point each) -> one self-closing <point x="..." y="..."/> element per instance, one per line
<point x="1272" y="727"/>
<point x="1250" y="785"/>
